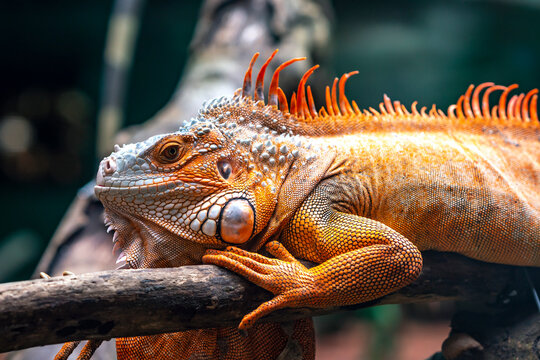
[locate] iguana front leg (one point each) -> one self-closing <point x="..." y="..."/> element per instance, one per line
<point x="284" y="276"/>
<point x="359" y="260"/>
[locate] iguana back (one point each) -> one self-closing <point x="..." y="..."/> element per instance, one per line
<point x="467" y="186"/>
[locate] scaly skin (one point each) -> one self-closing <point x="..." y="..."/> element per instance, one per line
<point x="360" y="193"/>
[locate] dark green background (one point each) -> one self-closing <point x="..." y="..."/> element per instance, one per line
<point x="51" y="63"/>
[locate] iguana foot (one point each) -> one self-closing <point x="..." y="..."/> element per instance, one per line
<point x="66" y="350"/>
<point x="291" y="282"/>
<point x="86" y="353"/>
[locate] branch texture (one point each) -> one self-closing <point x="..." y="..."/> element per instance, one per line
<point x="121" y="303"/>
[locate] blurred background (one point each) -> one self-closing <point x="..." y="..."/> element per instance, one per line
<point x="51" y="67"/>
<point x="51" y="64"/>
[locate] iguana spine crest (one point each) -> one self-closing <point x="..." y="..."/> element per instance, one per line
<point x="520" y="110"/>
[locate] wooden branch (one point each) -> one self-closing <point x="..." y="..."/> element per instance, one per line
<point x="140" y="302"/>
<point x="510" y="334"/>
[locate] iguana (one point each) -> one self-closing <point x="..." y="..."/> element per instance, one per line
<point x="359" y="192"/>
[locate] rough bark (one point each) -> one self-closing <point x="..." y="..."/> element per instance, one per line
<point x="503" y="334"/>
<point x="138" y="302"/>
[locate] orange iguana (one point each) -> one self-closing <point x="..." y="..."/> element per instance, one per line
<point x="359" y="192"/>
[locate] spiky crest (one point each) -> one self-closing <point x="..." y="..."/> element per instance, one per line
<point x="520" y="110"/>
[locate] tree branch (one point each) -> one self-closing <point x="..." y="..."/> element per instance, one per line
<point x="140" y="302"/>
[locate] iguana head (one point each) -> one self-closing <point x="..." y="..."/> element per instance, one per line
<point x="213" y="183"/>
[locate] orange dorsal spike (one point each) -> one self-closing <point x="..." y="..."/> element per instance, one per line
<point x="525" y="106"/>
<point x="517" y="107"/>
<point x="397" y="108"/>
<point x="459" y="108"/>
<point x="502" y="100"/>
<point x="388" y="105"/>
<point x="494" y="112"/>
<point x="284" y="106"/>
<point x="433" y="111"/>
<point x="274" y="84"/>
<point x="534" y="113"/>
<point x="475" y="99"/>
<point x="259" y="84"/>
<point x="334" y="98"/>
<point x="510" y="108"/>
<point x="293" y="104"/>
<point x="485" y="99"/>
<point x="311" y="103"/>
<point x="301" y="93"/>
<point x="413" y="108"/>
<point x="343" y="102"/>
<point x="357" y="110"/>
<point x="382" y="108"/>
<point x="374" y="112"/>
<point x="305" y="109"/>
<point x="452" y="111"/>
<point x="246" y="88"/>
<point x="467" y="102"/>
<point x="404" y="110"/>
<point x="329" y="101"/>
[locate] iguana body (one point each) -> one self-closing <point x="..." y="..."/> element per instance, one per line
<point x="359" y="192"/>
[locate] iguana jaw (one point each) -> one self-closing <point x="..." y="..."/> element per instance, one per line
<point x="142" y="244"/>
<point x="124" y="232"/>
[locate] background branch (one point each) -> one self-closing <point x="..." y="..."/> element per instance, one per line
<point x="140" y="302"/>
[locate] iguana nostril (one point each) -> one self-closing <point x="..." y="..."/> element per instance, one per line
<point x="109" y="166"/>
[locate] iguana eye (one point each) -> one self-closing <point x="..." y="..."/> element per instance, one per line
<point x="169" y="152"/>
<point x="224" y="168"/>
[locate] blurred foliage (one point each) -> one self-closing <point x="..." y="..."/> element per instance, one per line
<point x="383" y="322"/>
<point x="50" y="65"/>
<point x="431" y="51"/>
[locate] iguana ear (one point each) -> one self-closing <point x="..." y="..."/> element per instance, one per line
<point x="300" y="181"/>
